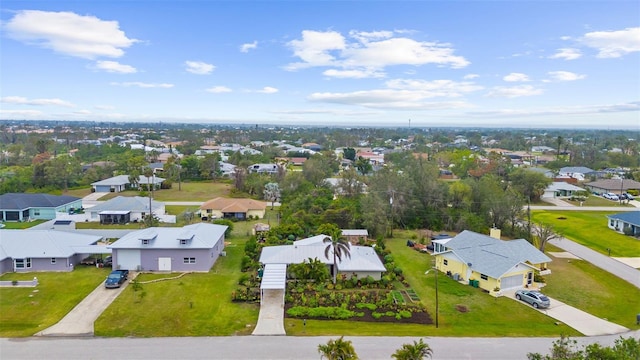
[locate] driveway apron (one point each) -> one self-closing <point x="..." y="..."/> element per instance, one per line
<point x="586" y="323"/>
<point x="271" y="318"/>
<point x="79" y="321"/>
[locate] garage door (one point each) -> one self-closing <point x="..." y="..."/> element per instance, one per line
<point x="128" y="259"/>
<point x="511" y="282"/>
<point x="164" y="264"/>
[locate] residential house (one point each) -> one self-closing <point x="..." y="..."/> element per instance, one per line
<point x="617" y="186"/>
<point x="121" y="182"/>
<point x="492" y="262"/>
<point x="191" y="248"/>
<point x="233" y="208"/>
<point x="355" y="236"/>
<point x="124" y="209"/>
<point x="45" y="250"/>
<point x="577" y="172"/>
<point x="26" y="207"/>
<point x="625" y="223"/>
<point x="363" y="261"/>
<point x="560" y="190"/>
<point x="263" y="168"/>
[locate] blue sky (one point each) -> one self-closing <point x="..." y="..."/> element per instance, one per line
<point x="533" y="64"/>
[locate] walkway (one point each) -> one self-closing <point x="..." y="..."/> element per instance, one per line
<point x="604" y="262"/>
<point x="79" y="321"/>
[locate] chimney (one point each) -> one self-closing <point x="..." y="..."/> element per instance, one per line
<point x="495" y="233"/>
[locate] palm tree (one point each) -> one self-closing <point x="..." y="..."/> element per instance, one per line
<point x="418" y="351"/>
<point x="336" y="245"/>
<point x="338" y="349"/>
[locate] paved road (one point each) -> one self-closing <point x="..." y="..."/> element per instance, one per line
<point x="604" y="262"/>
<point x="273" y="347"/>
<point x="79" y="321"/>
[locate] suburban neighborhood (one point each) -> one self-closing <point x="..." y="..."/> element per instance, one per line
<point x="310" y="240"/>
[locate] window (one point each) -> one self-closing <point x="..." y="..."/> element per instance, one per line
<point x="183" y="241"/>
<point x="22" y="263"/>
<point x="446" y="262"/>
<point x="53" y="261"/>
<point x="145" y="241"/>
<point x="484" y="277"/>
<point x="36" y="212"/>
<point x="189" y="260"/>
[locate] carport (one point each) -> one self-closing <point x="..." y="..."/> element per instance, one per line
<point x="274" y="277"/>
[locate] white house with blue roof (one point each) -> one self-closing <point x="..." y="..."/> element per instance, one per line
<point x="625" y="223"/>
<point x="489" y="263"/>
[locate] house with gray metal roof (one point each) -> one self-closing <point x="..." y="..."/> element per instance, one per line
<point x="190" y="248"/>
<point x="363" y="261"/>
<point x="27" y="207"/>
<point x="45" y="250"/>
<point x="625" y="223"/>
<point x="490" y="263"/>
<point x="560" y="189"/>
<point x="121" y="182"/>
<point x="124" y="209"/>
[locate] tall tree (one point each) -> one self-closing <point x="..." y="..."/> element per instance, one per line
<point x="271" y="192"/>
<point x="529" y="183"/>
<point x="337" y="247"/>
<point x="543" y="233"/>
<point x="416" y="351"/>
<point x="338" y="349"/>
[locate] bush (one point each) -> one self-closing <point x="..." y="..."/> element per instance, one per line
<point x="369" y="306"/>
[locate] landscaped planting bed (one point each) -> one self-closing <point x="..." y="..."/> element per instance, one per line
<point x="376" y="305"/>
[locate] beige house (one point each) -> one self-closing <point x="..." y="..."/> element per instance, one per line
<point x="220" y="207"/>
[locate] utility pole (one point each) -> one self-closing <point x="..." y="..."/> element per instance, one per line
<point x="437" y="298"/>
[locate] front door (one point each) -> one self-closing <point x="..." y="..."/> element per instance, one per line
<point x="164" y="264"/>
<point x="529" y="278"/>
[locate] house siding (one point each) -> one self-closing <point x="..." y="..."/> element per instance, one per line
<point x="254" y="213"/>
<point x="6" y="265"/>
<point x="44" y="264"/>
<point x="205" y="258"/>
<point x="454" y="265"/>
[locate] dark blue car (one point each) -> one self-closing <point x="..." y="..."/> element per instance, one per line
<point x="116" y="278"/>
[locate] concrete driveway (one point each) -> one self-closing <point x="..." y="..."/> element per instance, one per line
<point x="79" y="321"/>
<point x="585" y="323"/>
<point x="271" y="317"/>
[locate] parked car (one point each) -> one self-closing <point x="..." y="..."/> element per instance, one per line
<point x="116" y="278"/>
<point x="611" y="196"/>
<point x="108" y="261"/>
<point x="626" y="196"/>
<point x="91" y="260"/>
<point x="533" y="297"/>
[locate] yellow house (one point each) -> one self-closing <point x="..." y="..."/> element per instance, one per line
<point x="489" y="263"/>
<point x="233" y="208"/>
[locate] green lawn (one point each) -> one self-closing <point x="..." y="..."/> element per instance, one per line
<point x="191" y="191"/>
<point x="598" y="201"/>
<point x="589" y="228"/>
<point x="589" y="288"/>
<point x="14" y="225"/>
<point x="25" y="310"/>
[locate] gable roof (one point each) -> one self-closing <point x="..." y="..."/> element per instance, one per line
<point x="20" y="244"/>
<point x="355" y="232"/>
<point x="576" y="169"/>
<point x="615" y="184"/>
<point x="126" y="203"/>
<point x="363" y="258"/>
<point x="19" y="201"/>
<point x="491" y="256"/>
<point x="124" y="180"/>
<point x="198" y="236"/>
<point x="233" y="205"/>
<point x="561" y="185"/>
<point x="630" y="217"/>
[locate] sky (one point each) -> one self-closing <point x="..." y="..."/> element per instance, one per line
<point x="509" y="64"/>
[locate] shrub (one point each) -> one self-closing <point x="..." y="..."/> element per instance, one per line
<point x="376" y="315"/>
<point x="369" y="306"/>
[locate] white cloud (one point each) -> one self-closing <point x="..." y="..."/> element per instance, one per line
<point x="314" y="48"/>
<point x="404" y="94"/>
<point x="268" y="90"/>
<point x="513" y="92"/>
<point x="248" y="46"/>
<point x="115" y="67"/>
<point x="142" y="85"/>
<point x="19" y="100"/>
<point x="567" y="54"/>
<point x="69" y="33"/>
<point x="218" y="89"/>
<point x="613" y="44"/>
<point x="199" y="67"/>
<point x="564" y="76"/>
<point x="18" y="114"/>
<point x="104" y="107"/>
<point x="83" y="112"/>
<point x="470" y="76"/>
<point x="516" y="77"/>
<point x="353" y="74"/>
<point x="368" y="52"/>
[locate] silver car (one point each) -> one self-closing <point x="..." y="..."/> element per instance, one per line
<point x="533" y="297"/>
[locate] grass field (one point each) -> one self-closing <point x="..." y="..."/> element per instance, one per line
<point x="589" y="288"/>
<point x="192" y="191"/>
<point x="24" y="311"/>
<point x="598" y="201"/>
<point x="12" y="225"/>
<point x="589" y="228"/>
